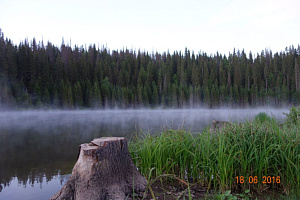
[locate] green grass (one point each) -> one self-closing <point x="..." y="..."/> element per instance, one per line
<point x="255" y="148"/>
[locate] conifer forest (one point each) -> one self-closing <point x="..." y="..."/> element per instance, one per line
<point x="36" y="75"/>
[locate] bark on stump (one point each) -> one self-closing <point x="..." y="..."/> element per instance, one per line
<point x="104" y="170"/>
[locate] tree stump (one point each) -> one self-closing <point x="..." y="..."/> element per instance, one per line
<point x="104" y="170"/>
<point x="218" y="126"/>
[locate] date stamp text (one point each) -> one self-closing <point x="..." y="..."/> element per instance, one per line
<point x="254" y="179"/>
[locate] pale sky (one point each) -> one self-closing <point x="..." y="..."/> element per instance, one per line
<point x="152" y="25"/>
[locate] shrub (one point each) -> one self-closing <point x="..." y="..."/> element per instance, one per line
<point x="262" y="117"/>
<point x="294" y="116"/>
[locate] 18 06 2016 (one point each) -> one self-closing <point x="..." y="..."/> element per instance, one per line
<point x="254" y="179"/>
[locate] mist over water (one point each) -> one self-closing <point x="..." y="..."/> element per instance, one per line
<point x="39" y="147"/>
<point x="87" y="120"/>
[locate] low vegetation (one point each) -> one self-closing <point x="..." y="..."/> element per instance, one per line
<point x="294" y="116"/>
<point x="260" y="156"/>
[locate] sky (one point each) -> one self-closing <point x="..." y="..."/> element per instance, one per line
<point x="156" y="26"/>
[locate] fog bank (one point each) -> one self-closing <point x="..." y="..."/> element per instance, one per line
<point x="143" y="119"/>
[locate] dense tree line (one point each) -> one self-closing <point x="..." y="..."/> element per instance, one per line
<point x="34" y="75"/>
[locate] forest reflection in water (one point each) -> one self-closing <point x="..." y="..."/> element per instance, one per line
<point x="38" y="149"/>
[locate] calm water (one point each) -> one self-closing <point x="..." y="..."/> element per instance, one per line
<point x="38" y="149"/>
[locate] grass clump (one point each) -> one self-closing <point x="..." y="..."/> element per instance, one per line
<point x="252" y="149"/>
<point x="262" y="117"/>
<point x="293" y="117"/>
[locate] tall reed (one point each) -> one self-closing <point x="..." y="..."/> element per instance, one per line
<point x="257" y="149"/>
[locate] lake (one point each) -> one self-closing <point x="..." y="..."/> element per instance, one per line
<point x="38" y="149"/>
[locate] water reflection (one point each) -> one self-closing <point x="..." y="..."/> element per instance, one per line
<point x="26" y="154"/>
<point x="38" y="148"/>
<point x="40" y="188"/>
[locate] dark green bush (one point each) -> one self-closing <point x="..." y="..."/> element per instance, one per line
<point x="262" y="117"/>
<point x="294" y="116"/>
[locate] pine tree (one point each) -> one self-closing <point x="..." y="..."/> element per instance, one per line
<point x="174" y="96"/>
<point x="105" y="90"/>
<point x="46" y="97"/>
<point x="145" y="97"/>
<point x="78" y="99"/>
<point x="155" y="94"/>
<point x="96" y="99"/>
<point x="297" y="74"/>
<point x="207" y="97"/>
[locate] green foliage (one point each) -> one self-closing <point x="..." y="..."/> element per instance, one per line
<point x="215" y="160"/>
<point x="136" y="79"/>
<point x="293" y="117"/>
<point x="245" y="195"/>
<point x="229" y="196"/>
<point x="225" y="196"/>
<point x="262" y="118"/>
